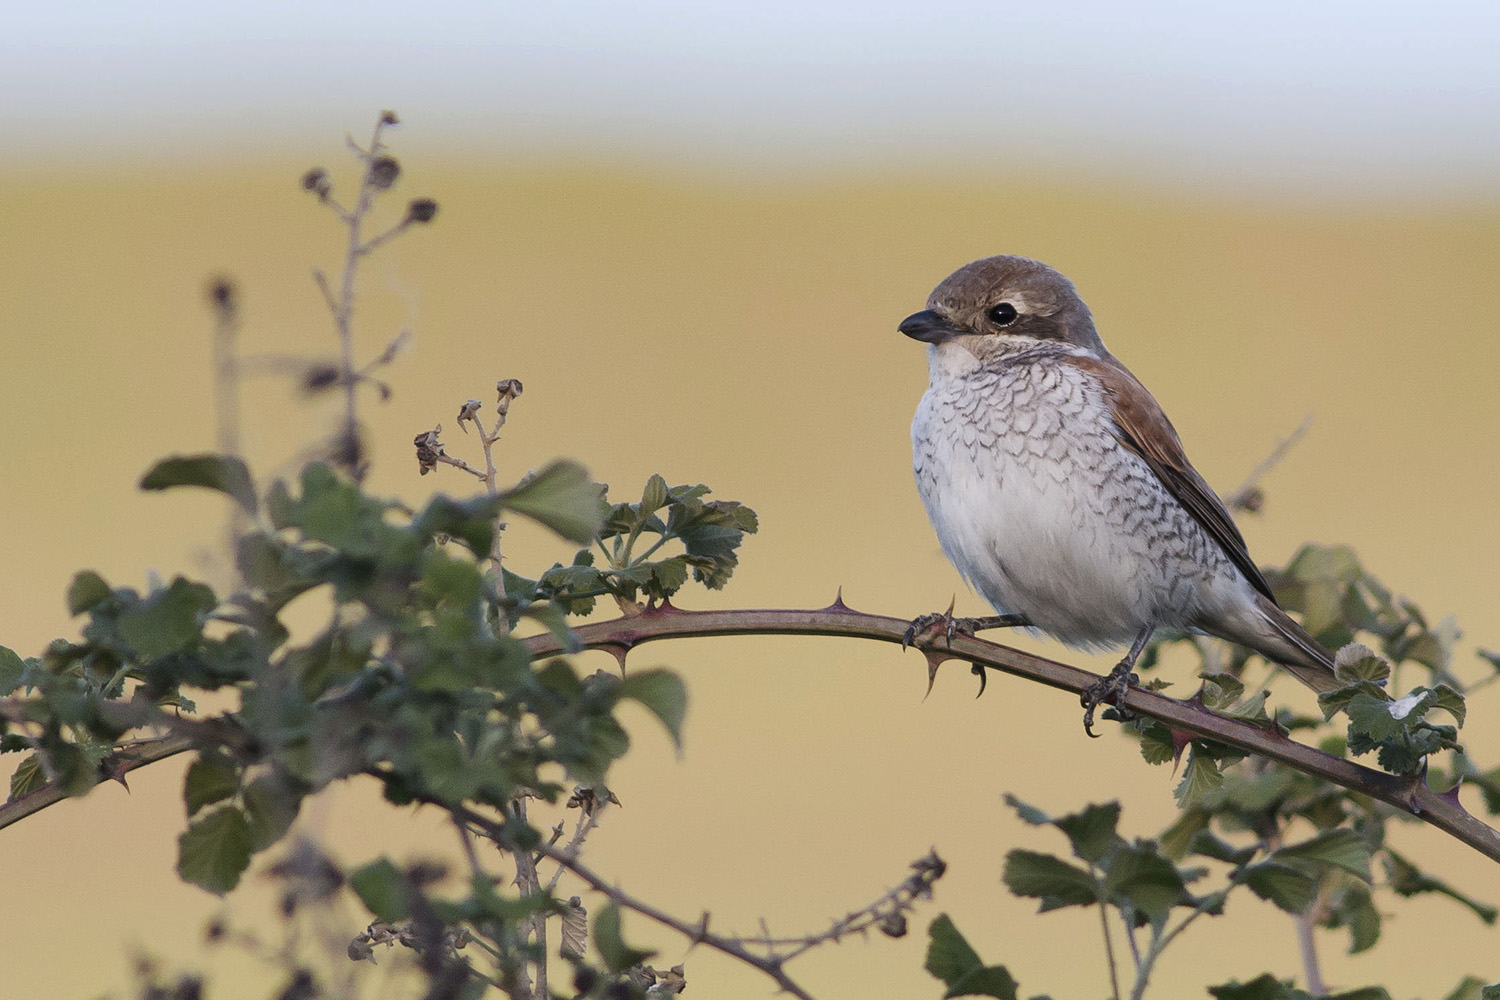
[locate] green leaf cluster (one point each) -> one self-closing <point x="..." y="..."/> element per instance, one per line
<point x="707" y="532"/>
<point x="413" y="679"/>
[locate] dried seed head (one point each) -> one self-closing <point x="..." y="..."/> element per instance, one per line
<point x="429" y="449"/>
<point x="388" y="117"/>
<point x="469" y="411"/>
<point x="383" y="172"/>
<point x="893" y="924"/>
<point x="316" y="180"/>
<point x="224" y="297"/>
<point x="421" y="210"/>
<point x="507" y="389"/>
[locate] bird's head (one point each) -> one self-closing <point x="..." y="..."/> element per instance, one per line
<point x="1001" y="305"/>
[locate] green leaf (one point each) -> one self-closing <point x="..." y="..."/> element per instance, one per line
<point x="1353" y="907"/>
<point x="1092" y="831"/>
<point x="1408" y="880"/>
<point x="1141" y="876"/>
<point x="1450" y="701"/>
<point x="1028" y="813"/>
<point x="663" y="693"/>
<point x="561" y="497"/>
<point x="1050" y="879"/>
<point x="1178" y="838"/>
<point x="1288" y="888"/>
<point x="952" y="960"/>
<point x="1262" y="987"/>
<point x="473" y="521"/>
<point x="1337" y="700"/>
<point x="87" y="589"/>
<point x="214" y="851"/>
<point x="991" y="981"/>
<point x="27" y="777"/>
<point x="211" y="778"/>
<point x="1156" y="742"/>
<point x="1209" y="846"/>
<point x="1199" y="777"/>
<point x="224" y="473"/>
<point x="169" y="621"/>
<point x="654" y="496"/>
<point x="949" y="955"/>
<point x="1340" y="848"/>
<point x="11" y="669"/>
<point x="1358" y="662"/>
<point x="617" y="955"/>
<point x="272" y="807"/>
<point x="383" y="889"/>
<point x="1468" y="988"/>
<point x="1221" y="690"/>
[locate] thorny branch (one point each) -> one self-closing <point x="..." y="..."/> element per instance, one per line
<point x="887" y="914"/>
<point x="619" y="635"/>
<point x="591" y="805"/>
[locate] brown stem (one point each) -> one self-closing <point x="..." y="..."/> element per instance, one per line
<point x="119" y="763"/>
<point x="619" y="635"/>
<point x="1443" y="811"/>
<point x="698" y="934"/>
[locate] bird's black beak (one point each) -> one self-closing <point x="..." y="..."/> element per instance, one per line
<point x="928" y="327"/>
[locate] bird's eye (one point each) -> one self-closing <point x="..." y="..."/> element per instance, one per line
<point x="1002" y="315"/>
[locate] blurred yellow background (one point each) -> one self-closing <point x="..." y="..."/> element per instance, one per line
<point x="740" y="331"/>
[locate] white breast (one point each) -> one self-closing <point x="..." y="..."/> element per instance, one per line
<point x="1046" y="514"/>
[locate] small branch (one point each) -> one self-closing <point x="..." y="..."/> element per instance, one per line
<point x="620" y="635"/>
<point x="1109" y="944"/>
<point x="698" y="934"/>
<point x="1307" y="946"/>
<point x="588" y="818"/>
<point x="119" y="763"/>
<point x="225" y="300"/>
<point x="1249" y="497"/>
<point x="373" y="242"/>
<point x="891" y="905"/>
<point x="459" y="463"/>
<point x="1443" y="811"/>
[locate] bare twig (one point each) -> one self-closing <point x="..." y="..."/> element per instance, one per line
<point x="589" y="812"/>
<point x="696" y="933"/>
<point x="886" y="913"/>
<point x="1249" y="497"/>
<point x="224" y="298"/>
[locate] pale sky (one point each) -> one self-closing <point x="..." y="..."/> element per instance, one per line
<point x="1315" y="93"/>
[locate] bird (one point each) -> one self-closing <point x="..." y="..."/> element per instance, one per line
<point x="1061" y="492"/>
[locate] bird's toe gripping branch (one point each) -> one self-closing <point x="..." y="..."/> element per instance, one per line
<point x="1111" y="690"/>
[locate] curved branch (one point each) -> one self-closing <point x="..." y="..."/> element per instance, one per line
<point x="620" y="635"/>
<point x="120" y="762"/>
<point x="1443" y="811"/>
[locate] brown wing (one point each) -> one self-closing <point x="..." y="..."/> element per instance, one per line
<point x="1144" y="428"/>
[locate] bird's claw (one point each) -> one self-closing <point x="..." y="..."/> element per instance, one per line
<point x="1109" y="690"/>
<point x="922" y="624"/>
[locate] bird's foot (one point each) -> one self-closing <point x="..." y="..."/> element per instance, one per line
<point x="923" y="624"/>
<point x="1109" y="690"/>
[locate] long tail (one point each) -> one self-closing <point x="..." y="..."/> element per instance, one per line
<point x="1271" y="632"/>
